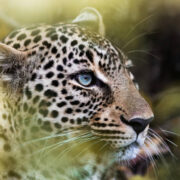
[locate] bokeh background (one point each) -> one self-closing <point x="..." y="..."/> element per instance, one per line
<point x="149" y="34"/>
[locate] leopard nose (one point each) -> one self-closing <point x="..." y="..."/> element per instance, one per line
<point x="137" y="124"/>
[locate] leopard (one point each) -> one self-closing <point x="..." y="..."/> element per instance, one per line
<point x="70" y="105"/>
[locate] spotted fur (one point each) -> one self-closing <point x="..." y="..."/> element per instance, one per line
<point x="42" y="99"/>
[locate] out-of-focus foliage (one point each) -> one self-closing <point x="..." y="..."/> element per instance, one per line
<point x="148" y="32"/>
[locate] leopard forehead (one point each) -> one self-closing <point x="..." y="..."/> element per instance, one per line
<point x="65" y="39"/>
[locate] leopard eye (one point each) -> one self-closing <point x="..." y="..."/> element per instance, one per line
<point x="85" y="79"/>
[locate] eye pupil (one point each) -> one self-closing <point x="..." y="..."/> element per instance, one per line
<point x="85" y="79"/>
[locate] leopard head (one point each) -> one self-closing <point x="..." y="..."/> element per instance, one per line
<point x="65" y="77"/>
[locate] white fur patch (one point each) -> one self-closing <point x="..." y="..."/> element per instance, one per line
<point x="101" y="76"/>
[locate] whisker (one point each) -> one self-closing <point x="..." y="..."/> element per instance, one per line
<point x="135" y="38"/>
<point x="158" y="152"/>
<point x="49" y="137"/>
<point x="73" y="139"/>
<point x="149" y="156"/>
<point x="171" y="142"/>
<point x="86" y="149"/>
<point x="103" y="147"/>
<point x="139" y="23"/>
<point x="69" y="149"/>
<point x="163" y="143"/>
<point x="60" y="143"/>
<point x="169" y="132"/>
<point x="153" y="145"/>
<point x="143" y="51"/>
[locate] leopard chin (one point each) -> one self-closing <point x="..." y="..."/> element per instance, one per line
<point x="128" y="152"/>
<point x="131" y="151"/>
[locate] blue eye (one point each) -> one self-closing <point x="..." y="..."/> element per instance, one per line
<point x="85" y="79"/>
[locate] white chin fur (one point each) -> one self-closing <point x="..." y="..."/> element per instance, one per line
<point x="128" y="153"/>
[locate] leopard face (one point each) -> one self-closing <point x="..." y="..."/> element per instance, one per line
<point x="67" y="77"/>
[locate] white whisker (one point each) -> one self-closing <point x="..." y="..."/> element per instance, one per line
<point x="49" y="137"/>
<point x="171" y="142"/>
<point x="139" y="23"/>
<point x="150" y="157"/>
<point x="169" y="132"/>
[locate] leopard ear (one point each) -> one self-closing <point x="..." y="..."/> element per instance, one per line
<point x="91" y="18"/>
<point x="13" y="65"/>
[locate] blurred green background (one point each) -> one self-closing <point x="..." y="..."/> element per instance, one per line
<point x="149" y="34"/>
